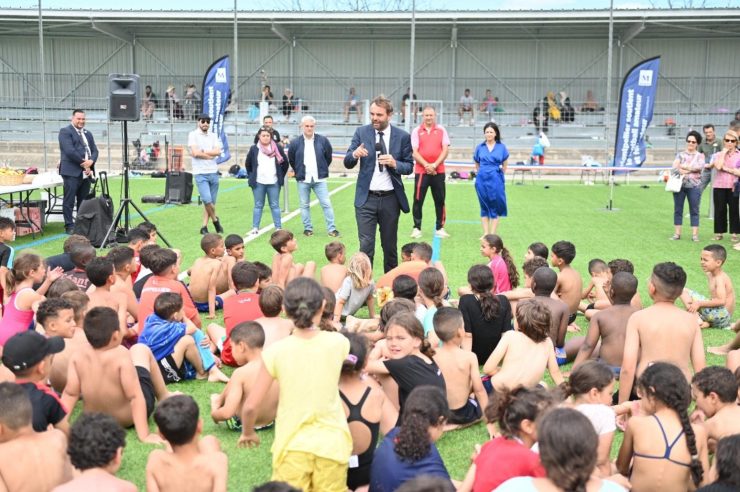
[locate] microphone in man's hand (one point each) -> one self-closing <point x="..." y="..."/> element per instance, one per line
<point x="378" y="151"/>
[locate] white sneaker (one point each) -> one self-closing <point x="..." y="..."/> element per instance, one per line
<point x="462" y="122"/>
<point x="253" y="232"/>
<point x="416" y="233"/>
<point x="442" y="233"/>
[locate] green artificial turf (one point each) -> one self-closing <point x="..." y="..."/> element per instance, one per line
<point x="544" y="211"/>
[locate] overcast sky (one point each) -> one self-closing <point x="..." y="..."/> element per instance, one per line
<point x="338" y="5"/>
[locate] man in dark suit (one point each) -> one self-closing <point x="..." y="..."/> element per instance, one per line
<point x="77" y="164"/>
<point x="310" y="158"/>
<point x="384" y="153"/>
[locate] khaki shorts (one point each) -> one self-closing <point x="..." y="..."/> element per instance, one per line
<point x="311" y="473"/>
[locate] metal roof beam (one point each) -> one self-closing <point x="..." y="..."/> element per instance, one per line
<point x="279" y="32"/>
<point x="632" y="32"/>
<point x="112" y="31"/>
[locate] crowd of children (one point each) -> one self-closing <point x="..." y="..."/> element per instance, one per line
<point x="358" y="403"/>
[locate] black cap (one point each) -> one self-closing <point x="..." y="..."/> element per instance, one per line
<point x="26" y="349"/>
<point x="204" y="116"/>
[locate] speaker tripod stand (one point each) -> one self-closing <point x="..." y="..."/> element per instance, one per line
<point x="126" y="201"/>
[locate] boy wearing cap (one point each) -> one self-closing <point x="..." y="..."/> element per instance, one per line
<point x="28" y="355"/>
<point x="204" y="148"/>
<point x="28" y="460"/>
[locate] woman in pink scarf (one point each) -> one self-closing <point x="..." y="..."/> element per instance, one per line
<point x="266" y="167"/>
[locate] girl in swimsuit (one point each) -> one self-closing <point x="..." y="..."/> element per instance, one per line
<point x="363" y="404"/>
<point x="28" y="270"/>
<point x="662" y="450"/>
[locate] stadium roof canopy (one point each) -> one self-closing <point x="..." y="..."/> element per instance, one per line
<point x="554" y="24"/>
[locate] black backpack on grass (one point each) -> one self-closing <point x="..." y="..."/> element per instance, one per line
<point x="95" y="215"/>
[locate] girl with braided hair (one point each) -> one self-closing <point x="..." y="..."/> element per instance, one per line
<point x="568" y="444"/>
<point x="431" y="290"/>
<point x="662" y="450"/>
<point x="410" y="362"/>
<point x="408" y="450"/>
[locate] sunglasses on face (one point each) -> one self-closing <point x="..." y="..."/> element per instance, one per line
<point x="727" y="140"/>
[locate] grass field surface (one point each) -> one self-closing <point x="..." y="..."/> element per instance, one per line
<point x="638" y="230"/>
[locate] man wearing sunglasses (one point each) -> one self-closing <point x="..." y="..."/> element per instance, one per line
<point x="204" y="148"/>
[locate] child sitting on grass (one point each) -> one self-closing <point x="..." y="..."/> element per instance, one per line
<point x="95" y="448"/>
<point x="602" y="286"/>
<point x="594" y="291"/>
<point x="28" y="270"/>
<point x="509" y="454"/>
<point x="364" y="405"/>
<point x="530" y="266"/>
<point x="609" y="326"/>
<point x="110" y="379"/>
<point x="357" y="289"/>
<point x="246" y="340"/>
<point x="661" y="332"/>
<point x="174" y="340"/>
<point x="715" y="390"/>
<point x="537" y="250"/>
<point x="271" y="305"/>
<point x="543" y="284"/>
<point x="244" y="306"/>
<point x="715" y="312"/>
<point x="80" y="254"/>
<point x="209" y="280"/>
<point x="307" y="366"/>
<point x="29" y="459"/>
<point x="410" y="363"/>
<point x="500" y="262"/>
<point x="486" y="317"/>
<point x="570" y="285"/>
<point x="283" y="268"/>
<point x="101" y="273"/>
<point x="431" y="290"/>
<point x="124" y="264"/>
<point x="58" y="319"/>
<point x="7" y="253"/>
<point x="591" y="385"/>
<point x="234" y="245"/>
<point x="662" y="450"/>
<point x="524" y="355"/>
<point x="333" y="274"/>
<point x="193" y="463"/>
<point x="408" y="450"/>
<point x="459" y="369"/>
<point x="28" y="355"/>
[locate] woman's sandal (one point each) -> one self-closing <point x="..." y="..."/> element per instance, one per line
<point x="718" y="237"/>
<point x="675" y="237"/>
<point x="695" y="239"/>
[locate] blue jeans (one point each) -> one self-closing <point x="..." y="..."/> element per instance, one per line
<point x="273" y="197"/>
<point x="207" y="185"/>
<point x="694" y="197"/>
<point x="322" y="194"/>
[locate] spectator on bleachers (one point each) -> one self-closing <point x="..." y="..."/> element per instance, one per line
<point x="466" y="106"/>
<point x="488" y="105"/>
<point x="148" y="103"/>
<point x="352" y="104"/>
<point x="192" y="102"/>
<point x="174" y="108"/>
<point x="288" y="103"/>
<point x="590" y="105"/>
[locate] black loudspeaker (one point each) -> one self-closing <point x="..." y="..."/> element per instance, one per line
<point x="179" y="187"/>
<point x="124" y="98"/>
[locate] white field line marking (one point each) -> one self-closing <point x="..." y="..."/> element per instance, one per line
<point x="294" y="213"/>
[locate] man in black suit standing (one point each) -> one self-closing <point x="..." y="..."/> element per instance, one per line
<point x="77" y="164"/>
<point x="384" y="153"/>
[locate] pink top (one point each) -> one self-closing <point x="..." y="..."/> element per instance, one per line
<point x="723" y="179"/>
<point x="500" y="275"/>
<point x="14" y="320"/>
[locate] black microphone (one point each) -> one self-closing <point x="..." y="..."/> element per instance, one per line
<point x="378" y="150"/>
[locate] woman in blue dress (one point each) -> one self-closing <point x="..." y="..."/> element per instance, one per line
<point x="490" y="159"/>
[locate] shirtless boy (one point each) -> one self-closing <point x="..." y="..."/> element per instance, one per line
<point x="543" y="284"/>
<point x="124" y="265"/>
<point x="283" y="268"/>
<point x="661" y="332"/>
<point x="333" y="274"/>
<point x="57" y="317"/>
<point x="459" y="368"/>
<point x="570" y="285"/>
<point x="209" y="281"/>
<point x="601" y="287"/>
<point x="271" y="305"/>
<point x="524" y="291"/>
<point x="102" y="275"/>
<point x="524" y="355"/>
<point x="234" y="245"/>
<point x="717" y="311"/>
<point x="715" y="390"/>
<point x="195" y="465"/>
<point x="28" y="460"/>
<point x="610" y="325"/>
<point x="96" y="443"/>
<point x="112" y="380"/>
<point x="598" y="270"/>
<point x="247" y="340"/>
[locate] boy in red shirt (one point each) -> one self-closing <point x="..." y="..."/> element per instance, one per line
<point x="244" y="306"/>
<point x="164" y="268"/>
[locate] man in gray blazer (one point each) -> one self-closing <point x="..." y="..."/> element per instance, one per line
<point x="384" y="153"/>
